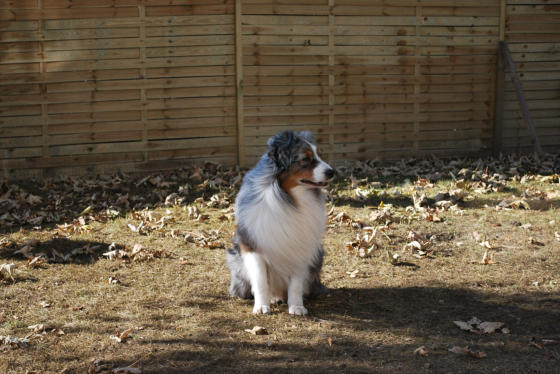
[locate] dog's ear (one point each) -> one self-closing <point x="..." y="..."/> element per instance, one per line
<point x="280" y="149"/>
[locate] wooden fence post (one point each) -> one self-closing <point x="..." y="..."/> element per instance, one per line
<point x="239" y="83"/>
<point x="499" y="107"/>
<point x="497" y="133"/>
<point x="331" y="80"/>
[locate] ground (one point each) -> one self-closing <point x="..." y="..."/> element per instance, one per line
<point x="129" y="272"/>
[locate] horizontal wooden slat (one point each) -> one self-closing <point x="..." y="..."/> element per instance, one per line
<point x="66" y="13"/>
<point x="127" y="147"/>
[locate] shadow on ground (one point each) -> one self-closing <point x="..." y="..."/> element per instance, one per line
<point x="59" y="250"/>
<point x="358" y="322"/>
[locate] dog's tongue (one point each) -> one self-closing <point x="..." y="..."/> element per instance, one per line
<point x="315" y="184"/>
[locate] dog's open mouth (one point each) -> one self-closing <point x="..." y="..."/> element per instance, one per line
<point x="314" y="184"/>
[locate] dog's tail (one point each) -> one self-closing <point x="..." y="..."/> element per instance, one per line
<point x="240" y="286"/>
<point x="317" y="288"/>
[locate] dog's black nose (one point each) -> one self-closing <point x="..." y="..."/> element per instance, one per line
<point x="329" y="173"/>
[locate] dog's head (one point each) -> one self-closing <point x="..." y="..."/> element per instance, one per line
<point x="297" y="160"/>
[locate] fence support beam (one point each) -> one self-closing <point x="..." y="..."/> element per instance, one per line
<point x="527" y="118"/>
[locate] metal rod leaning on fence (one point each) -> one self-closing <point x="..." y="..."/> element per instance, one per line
<point x="504" y="49"/>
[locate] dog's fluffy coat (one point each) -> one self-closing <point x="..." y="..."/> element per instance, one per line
<point x="281" y="219"/>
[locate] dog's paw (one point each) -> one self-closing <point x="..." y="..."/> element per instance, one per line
<point x="298" y="310"/>
<point x="261" y="309"/>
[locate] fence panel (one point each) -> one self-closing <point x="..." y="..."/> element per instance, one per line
<point x="285" y="70"/>
<point x="371" y="79"/>
<point x="533" y="33"/>
<point x="130" y="85"/>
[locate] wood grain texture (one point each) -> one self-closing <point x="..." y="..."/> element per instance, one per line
<point x="140" y="85"/>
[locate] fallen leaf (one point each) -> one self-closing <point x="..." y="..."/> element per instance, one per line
<point x="474" y="321"/>
<point x="353" y="273"/>
<point x="433" y="217"/>
<point x="542" y="343"/>
<point x="136" y="249"/>
<point x="342" y="217"/>
<point x="193" y="211"/>
<point x="520" y="204"/>
<point x="133" y="228"/>
<point x="38" y="328"/>
<point x="423" y="182"/>
<point x="126" y="370"/>
<point x="113" y="280"/>
<point x="477" y="326"/>
<point x="257" y="330"/>
<point x="535" y="344"/>
<point x="554" y="178"/>
<point x="550" y="342"/>
<point x="136" y="253"/>
<point x="385" y="215"/>
<point x="173" y="199"/>
<point x="36" y="261"/>
<point x="421" y="351"/>
<point x="330" y="341"/>
<point x="489" y="327"/>
<point x="13" y="342"/>
<point x="121" y="336"/>
<point x="486" y="259"/>
<point x="478" y="354"/>
<point x="87" y="210"/>
<point x="444" y="204"/>
<point x="534" y="241"/>
<point x="526" y="226"/>
<point x="459" y="350"/>
<point x="116" y="253"/>
<point x="365" y="243"/>
<point x="413" y="244"/>
<point x="465" y="351"/>
<point x="464" y="326"/>
<point x="7" y="269"/>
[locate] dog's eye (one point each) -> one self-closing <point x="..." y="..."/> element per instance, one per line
<point x="309" y="162"/>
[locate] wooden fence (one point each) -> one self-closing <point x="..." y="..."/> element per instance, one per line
<point x="532" y="30"/>
<point x="134" y="85"/>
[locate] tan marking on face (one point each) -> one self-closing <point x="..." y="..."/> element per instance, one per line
<point x="245" y="248"/>
<point x="290" y="181"/>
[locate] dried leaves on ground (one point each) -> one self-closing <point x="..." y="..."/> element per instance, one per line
<point x="411" y="246"/>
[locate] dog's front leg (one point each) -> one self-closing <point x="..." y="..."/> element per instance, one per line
<point x="256" y="269"/>
<point x="295" y="296"/>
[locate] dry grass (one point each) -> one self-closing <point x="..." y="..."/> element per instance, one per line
<point x="183" y="320"/>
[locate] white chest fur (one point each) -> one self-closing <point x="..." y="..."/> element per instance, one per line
<point x="287" y="237"/>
